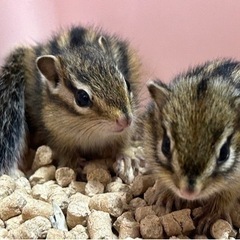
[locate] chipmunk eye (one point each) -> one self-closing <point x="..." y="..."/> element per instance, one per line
<point x="224" y="153"/>
<point x="82" y="98"/>
<point x="166" y="145"/>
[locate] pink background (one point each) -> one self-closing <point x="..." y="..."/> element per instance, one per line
<point x="170" y="35"/>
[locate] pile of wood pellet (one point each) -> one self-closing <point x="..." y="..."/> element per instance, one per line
<point x="52" y="204"/>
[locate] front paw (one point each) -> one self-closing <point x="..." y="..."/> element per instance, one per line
<point x="159" y="195"/>
<point x="130" y="163"/>
<point x="205" y="218"/>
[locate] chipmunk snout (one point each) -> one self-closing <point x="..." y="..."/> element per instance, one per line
<point x="123" y="122"/>
<point x="189" y="190"/>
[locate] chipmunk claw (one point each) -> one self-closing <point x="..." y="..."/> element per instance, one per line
<point x="129" y="164"/>
<point x="206" y="219"/>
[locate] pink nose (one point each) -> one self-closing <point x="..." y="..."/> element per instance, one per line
<point x="124" y="121"/>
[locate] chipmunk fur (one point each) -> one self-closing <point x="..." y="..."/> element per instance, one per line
<point x="76" y="93"/>
<point x="192" y="138"/>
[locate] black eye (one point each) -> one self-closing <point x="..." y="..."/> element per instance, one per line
<point x="166" y="145"/>
<point x="224" y="153"/>
<point x="83" y="99"/>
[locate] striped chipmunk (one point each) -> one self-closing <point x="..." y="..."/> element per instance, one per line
<point x="192" y="140"/>
<point x="76" y="93"/>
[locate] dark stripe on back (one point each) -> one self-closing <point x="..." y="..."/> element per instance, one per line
<point x="54" y="47"/>
<point x="38" y="50"/>
<point x="202" y="87"/>
<point x="225" y="70"/>
<point x="196" y="71"/>
<point x="77" y="38"/>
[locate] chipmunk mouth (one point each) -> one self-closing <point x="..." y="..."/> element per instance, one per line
<point x="189" y="194"/>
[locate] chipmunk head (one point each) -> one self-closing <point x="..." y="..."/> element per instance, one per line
<point x="198" y="139"/>
<point x="93" y="96"/>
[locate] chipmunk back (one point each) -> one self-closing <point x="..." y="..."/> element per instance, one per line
<point x="192" y="138"/>
<point x="76" y="93"/>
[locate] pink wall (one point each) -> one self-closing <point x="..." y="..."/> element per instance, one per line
<point x="170" y="35"/>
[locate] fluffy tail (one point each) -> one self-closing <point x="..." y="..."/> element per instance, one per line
<point x="12" y="114"/>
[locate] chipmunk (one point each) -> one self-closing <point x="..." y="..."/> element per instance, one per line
<point x="192" y="139"/>
<point x="76" y="93"/>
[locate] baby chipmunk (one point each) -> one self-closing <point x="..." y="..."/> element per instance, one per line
<point x="192" y="138"/>
<point x="76" y="93"/>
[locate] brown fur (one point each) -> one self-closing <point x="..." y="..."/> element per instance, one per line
<point x="86" y="58"/>
<point x="199" y="111"/>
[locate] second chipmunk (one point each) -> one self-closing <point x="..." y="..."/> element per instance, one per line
<point x="76" y="93"/>
<point x="191" y="141"/>
<point x="192" y="138"/>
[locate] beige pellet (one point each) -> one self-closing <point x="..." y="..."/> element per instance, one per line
<point x="197" y="236"/>
<point x="8" y="186"/>
<point x="129" y="229"/>
<point x="77" y="186"/>
<point x="23" y="184"/>
<point x="127" y="226"/>
<point x="94" y="187"/>
<point x="59" y="196"/>
<point x="142" y="212"/>
<point x="141" y="183"/>
<point x="93" y="165"/>
<point x="36" y="208"/>
<point x="54" y="233"/>
<point x="180" y="236"/>
<point x="60" y="234"/>
<point x="43" y="174"/>
<point x="13" y="222"/>
<point x="42" y="157"/>
<point x="101" y="175"/>
<point x="31" y="229"/>
<point x="177" y="222"/>
<point x="151" y="194"/>
<point x="111" y="203"/>
<point x="136" y="202"/>
<point x="99" y="225"/>
<point x="64" y="176"/>
<point x="117" y="187"/>
<point x="126" y="215"/>
<point x="151" y="227"/>
<point x="78" y="210"/>
<point x="41" y="191"/>
<point x="221" y="229"/>
<point x="79" y="232"/>
<point x="3" y="233"/>
<point x="11" y="206"/>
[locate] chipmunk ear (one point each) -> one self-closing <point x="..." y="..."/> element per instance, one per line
<point x="159" y="92"/>
<point x="103" y="43"/>
<point x="49" y="67"/>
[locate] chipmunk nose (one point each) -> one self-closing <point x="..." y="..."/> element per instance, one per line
<point x="190" y="191"/>
<point x="124" y="121"/>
